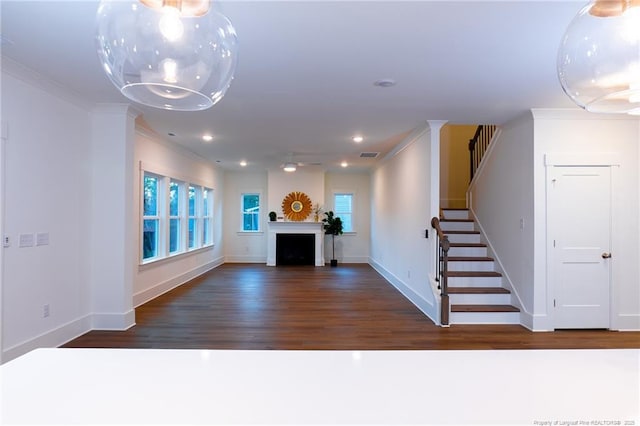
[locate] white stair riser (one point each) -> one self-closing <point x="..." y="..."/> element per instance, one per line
<point x="463" y="238"/>
<point x="471" y="266"/>
<point x="474" y="282"/>
<point x="484" y="318"/>
<point x="457" y="226"/>
<point x="455" y="214"/>
<point x="468" y="251"/>
<point x="479" y="299"/>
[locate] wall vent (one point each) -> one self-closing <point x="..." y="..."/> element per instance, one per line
<point x="369" y="154"/>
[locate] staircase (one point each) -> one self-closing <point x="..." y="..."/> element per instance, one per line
<point x="476" y="294"/>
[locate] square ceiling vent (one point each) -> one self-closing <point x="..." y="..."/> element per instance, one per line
<point x="369" y="154"/>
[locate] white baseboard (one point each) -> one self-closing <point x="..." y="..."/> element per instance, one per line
<point x="245" y="259"/>
<point x="113" y="322"/>
<point x="427" y="307"/>
<point x="168" y="285"/>
<point x="50" y="339"/>
<point x="353" y="259"/>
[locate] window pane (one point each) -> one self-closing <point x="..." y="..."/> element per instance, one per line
<point x="174" y="198"/>
<point x="150" y="196"/>
<point x="346" y="222"/>
<point x="343" y="203"/>
<point x="174" y="235"/>
<point x="205" y="202"/>
<point x="206" y="231"/>
<point x="344" y="210"/>
<point x="192" y="233"/>
<point x="150" y="238"/>
<point x="192" y="201"/>
<point x="250" y="212"/>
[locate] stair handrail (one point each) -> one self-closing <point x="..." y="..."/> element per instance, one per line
<point x="442" y="259"/>
<point x="478" y="146"/>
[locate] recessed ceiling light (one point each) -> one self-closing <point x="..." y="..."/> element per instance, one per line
<point x="385" y="82"/>
<point x="243" y="163"/>
<point x="344" y="164"/>
<point x="357" y="139"/>
<point x="207" y="138"/>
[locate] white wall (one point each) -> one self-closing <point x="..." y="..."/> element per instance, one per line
<point x="47" y="182"/>
<point x="171" y="160"/>
<point x="454" y="164"/>
<point x="307" y="180"/>
<point x="568" y="131"/>
<point x="510" y="187"/>
<point x="244" y="247"/>
<point x="275" y="185"/>
<point x="501" y="195"/>
<point x="401" y="209"/>
<point x="351" y="247"/>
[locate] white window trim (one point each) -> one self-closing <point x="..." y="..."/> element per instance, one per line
<point x="354" y="223"/>
<point x="165" y="176"/>
<point x="260" y="229"/>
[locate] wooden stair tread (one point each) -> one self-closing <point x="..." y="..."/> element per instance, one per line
<point x="456" y="209"/>
<point x="484" y="308"/>
<point x="451" y="274"/>
<point x="470" y="259"/>
<point x="479" y="245"/>
<point x="461" y="232"/>
<point x="478" y="290"/>
<point x="457" y="220"/>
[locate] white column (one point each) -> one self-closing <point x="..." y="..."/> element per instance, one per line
<point x="434" y="204"/>
<point x="113" y="258"/>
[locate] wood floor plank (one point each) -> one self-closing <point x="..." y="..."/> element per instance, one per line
<point x="351" y="307"/>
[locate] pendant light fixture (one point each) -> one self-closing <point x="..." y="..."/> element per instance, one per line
<point x="170" y="54"/>
<point x="599" y="57"/>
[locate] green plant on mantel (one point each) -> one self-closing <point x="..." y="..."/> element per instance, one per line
<point x="333" y="227"/>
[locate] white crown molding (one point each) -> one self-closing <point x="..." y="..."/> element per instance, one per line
<point x="34" y="78"/>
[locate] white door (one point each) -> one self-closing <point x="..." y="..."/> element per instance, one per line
<point x="579" y="214"/>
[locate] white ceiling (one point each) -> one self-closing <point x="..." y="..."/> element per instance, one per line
<point x="304" y="80"/>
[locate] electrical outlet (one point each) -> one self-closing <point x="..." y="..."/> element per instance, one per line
<point x="45" y="311"/>
<point x="6" y="242"/>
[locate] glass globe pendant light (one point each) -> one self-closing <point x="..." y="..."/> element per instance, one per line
<point x="599" y="57"/>
<point x="170" y="54"/>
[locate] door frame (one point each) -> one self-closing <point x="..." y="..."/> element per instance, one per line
<point x="4" y="134"/>
<point x="580" y="159"/>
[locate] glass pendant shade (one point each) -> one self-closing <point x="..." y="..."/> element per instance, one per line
<point x="170" y="54"/>
<point x="599" y="57"/>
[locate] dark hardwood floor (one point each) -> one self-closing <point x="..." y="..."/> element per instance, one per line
<point x="249" y="306"/>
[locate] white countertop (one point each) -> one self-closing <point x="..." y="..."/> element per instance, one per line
<point x="135" y="386"/>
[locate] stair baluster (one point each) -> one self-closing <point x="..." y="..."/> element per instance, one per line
<point x="478" y="145"/>
<point x="441" y="270"/>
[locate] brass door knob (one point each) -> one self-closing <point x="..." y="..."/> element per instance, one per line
<point x="606" y="255"/>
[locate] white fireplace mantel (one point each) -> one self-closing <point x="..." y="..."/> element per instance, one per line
<point x="295" y="228"/>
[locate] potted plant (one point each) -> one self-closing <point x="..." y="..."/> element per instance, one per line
<point x="333" y="227"/>
<point x="273" y="216"/>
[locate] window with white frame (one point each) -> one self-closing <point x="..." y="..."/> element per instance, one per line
<point x="176" y="217"/>
<point x="150" y="216"/>
<point x="250" y="212"/>
<point x="343" y="208"/>
<point x="193" y="217"/>
<point x="207" y="216"/>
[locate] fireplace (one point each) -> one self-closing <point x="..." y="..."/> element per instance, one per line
<point x="312" y="232"/>
<point x="295" y="249"/>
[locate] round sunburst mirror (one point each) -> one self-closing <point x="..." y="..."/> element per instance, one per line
<point x="296" y="206"/>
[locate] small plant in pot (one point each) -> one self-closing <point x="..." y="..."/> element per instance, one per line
<point x="273" y="216"/>
<point x="333" y="227"/>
